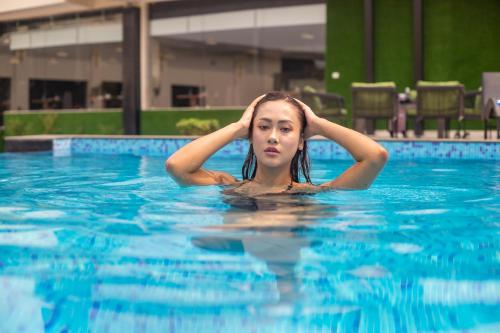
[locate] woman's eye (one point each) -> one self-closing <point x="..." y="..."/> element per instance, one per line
<point x="263" y="127"/>
<point x="286" y="129"/>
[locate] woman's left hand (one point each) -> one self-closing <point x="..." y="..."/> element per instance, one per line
<point x="312" y="119"/>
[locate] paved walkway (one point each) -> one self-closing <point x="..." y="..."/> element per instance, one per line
<point x="432" y="135"/>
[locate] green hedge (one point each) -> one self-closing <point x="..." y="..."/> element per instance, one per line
<point x="46" y="122"/>
<point x="163" y="122"/>
<point x="107" y="122"/>
<point x="152" y="122"/>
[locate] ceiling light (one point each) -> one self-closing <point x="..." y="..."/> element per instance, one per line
<point x="306" y="35"/>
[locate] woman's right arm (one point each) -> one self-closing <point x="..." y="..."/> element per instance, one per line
<point x="185" y="164"/>
<point x="369" y="155"/>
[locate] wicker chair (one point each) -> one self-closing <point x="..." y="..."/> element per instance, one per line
<point x="442" y="101"/>
<point x="326" y="105"/>
<point x="372" y="101"/>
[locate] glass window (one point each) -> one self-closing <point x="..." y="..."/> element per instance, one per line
<point x="229" y="58"/>
<point x="63" y="64"/>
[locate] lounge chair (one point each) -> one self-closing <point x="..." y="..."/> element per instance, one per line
<point x="325" y="105"/>
<point x="442" y="101"/>
<point x="372" y="101"/>
<point x="473" y="110"/>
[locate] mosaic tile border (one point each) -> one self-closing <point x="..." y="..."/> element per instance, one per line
<point x="318" y="149"/>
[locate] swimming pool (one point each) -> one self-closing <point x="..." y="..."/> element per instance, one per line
<point x="109" y="243"/>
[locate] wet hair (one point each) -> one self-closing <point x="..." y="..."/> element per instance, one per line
<point x="301" y="159"/>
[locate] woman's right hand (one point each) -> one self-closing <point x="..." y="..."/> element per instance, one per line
<point x="312" y="119"/>
<point x="246" y="118"/>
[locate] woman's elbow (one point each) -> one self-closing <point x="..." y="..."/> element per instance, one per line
<point x="379" y="156"/>
<point x="175" y="171"/>
<point x="170" y="166"/>
<point x="382" y="155"/>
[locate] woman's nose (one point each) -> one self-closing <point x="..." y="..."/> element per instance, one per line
<point x="272" y="137"/>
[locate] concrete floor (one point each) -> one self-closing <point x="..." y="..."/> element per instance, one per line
<point x="433" y="136"/>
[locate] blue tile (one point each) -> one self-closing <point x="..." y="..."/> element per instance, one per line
<point x="318" y="149"/>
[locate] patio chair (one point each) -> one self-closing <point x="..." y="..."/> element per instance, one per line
<point x="473" y="110"/>
<point x="326" y="105"/>
<point x="372" y="101"/>
<point x="492" y="109"/>
<point x="442" y="101"/>
<point x="476" y="106"/>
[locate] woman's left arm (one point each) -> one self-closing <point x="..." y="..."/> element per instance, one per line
<point x="370" y="156"/>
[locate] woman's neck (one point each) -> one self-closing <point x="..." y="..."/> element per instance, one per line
<point x="272" y="177"/>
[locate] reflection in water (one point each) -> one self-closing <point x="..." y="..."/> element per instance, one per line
<point x="270" y="228"/>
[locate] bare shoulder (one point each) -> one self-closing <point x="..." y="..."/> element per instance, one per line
<point x="305" y="188"/>
<point x="206" y="177"/>
<point x="223" y="178"/>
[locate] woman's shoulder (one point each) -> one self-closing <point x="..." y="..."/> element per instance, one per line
<point x="233" y="187"/>
<point x="244" y="188"/>
<point x="304" y="188"/>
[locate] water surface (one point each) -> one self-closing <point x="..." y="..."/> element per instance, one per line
<point x="112" y="244"/>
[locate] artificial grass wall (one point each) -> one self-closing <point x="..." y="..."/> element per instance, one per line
<point x="344" y="46"/>
<point x="393" y="42"/>
<point x="106" y="122"/>
<point x="461" y="40"/>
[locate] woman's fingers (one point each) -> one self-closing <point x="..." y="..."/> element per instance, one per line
<point x="256" y="100"/>
<point x="310" y="118"/>
<point x="251" y="107"/>
<point x="246" y="118"/>
<point x="307" y="109"/>
<point x="247" y="115"/>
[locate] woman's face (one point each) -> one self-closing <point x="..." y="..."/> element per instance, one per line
<point x="276" y="134"/>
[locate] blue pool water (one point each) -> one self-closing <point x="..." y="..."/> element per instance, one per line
<point x="112" y="244"/>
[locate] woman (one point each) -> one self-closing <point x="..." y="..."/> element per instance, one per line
<point x="277" y="127"/>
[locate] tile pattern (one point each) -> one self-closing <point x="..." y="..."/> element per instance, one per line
<point x="318" y="149"/>
<point x="61" y="147"/>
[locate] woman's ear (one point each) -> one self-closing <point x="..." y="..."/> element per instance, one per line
<point x="301" y="142"/>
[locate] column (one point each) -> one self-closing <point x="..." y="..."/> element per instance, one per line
<point x="131" y="71"/>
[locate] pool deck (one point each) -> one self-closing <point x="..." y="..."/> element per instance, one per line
<point x="30" y="143"/>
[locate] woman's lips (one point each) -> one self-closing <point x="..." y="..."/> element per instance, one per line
<point x="271" y="151"/>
